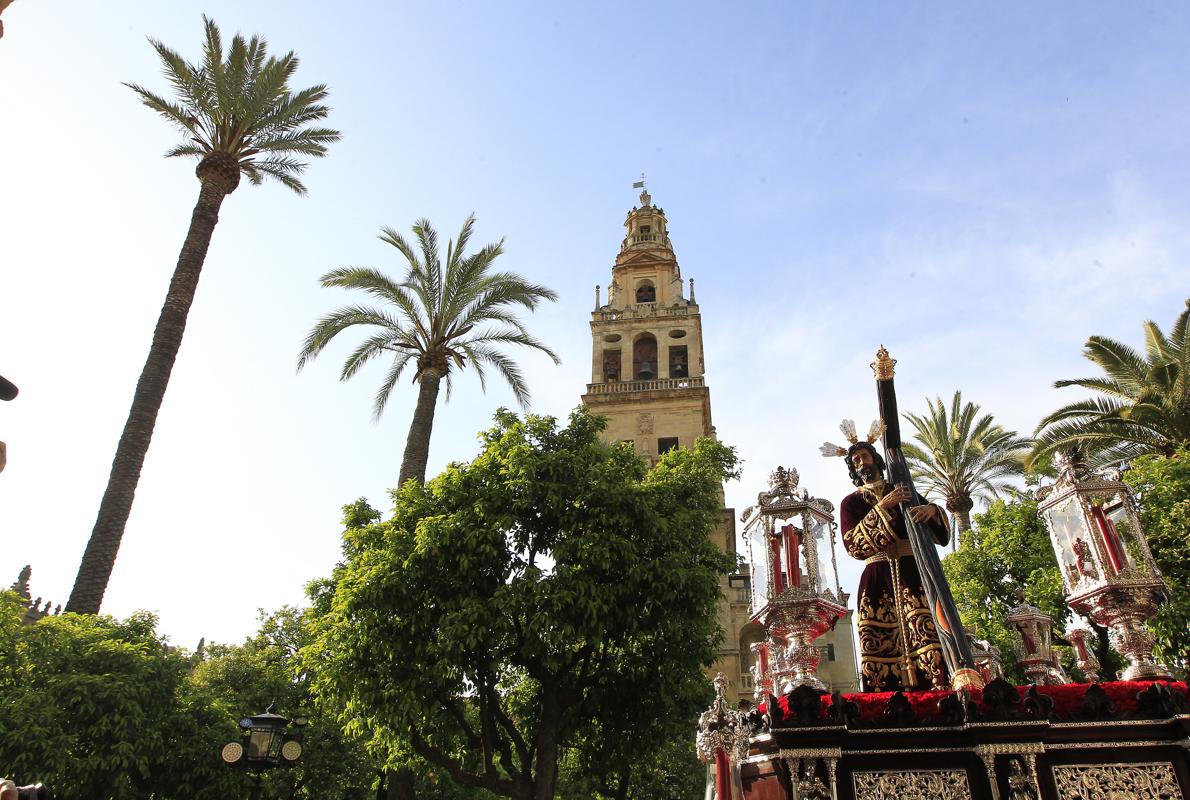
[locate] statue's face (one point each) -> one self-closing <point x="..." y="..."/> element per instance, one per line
<point x="865" y="465"/>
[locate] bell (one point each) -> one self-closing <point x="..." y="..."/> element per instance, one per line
<point x="646" y="371"/>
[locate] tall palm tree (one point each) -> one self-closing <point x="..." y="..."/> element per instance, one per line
<point x="239" y="117"/>
<point x="1143" y="404"/>
<point x="963" y="456"/>
<point x="444" y="315"/>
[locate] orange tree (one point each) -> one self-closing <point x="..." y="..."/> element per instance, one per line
<point x="513" y="605"/>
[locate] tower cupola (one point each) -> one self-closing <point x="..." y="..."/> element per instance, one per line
<point x="646" y="227"/>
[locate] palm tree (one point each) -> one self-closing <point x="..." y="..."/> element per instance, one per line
<point x="963" y="456"/>
<point x="443" y="316"/>
<point x="239" y="117"/>
<point x="1144" y="402"/>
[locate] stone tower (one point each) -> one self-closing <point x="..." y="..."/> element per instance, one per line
<point x="646" y="354"/>
<point x="647" y="379"/>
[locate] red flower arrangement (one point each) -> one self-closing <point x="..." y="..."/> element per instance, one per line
<point x="1068" y="699"/>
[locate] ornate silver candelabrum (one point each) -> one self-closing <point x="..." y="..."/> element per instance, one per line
<point x="723" y="739"/>
<point x="1107" y="570"/>
<point x="1034" y="646"/>
<point x="795" y="582"/>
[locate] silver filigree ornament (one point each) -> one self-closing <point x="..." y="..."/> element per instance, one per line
<point x="941" y="784"/>
<point x="1153" y="781"/>
<point x="721" y="727"/>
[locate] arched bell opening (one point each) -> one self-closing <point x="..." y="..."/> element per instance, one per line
<point x="646" y="292"/>
<point x="679" y="365"/>
<point x="611" y="365"/>
<point x="644" y="358"/>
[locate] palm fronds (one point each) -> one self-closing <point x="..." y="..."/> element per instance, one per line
<point x="239" y="104"/>
<point x="962" y="455"/>
<point x="445" y="315"/>
<point x="1143" y="404"/>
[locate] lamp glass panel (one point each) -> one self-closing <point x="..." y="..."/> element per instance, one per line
<point x="820" y="530"/>
<point x="259" y="743"/>
<point x="760" y="558"/>
<point x="1118" y="516"/>
<point x="1069" y="526"/>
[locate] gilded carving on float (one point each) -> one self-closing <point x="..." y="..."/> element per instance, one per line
<point x="939" y="784"/>
<point x="1154" y="781"/>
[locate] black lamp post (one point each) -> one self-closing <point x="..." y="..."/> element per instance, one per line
<point x="267" y="741"/>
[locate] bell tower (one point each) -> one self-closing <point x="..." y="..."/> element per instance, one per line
<point x="646" y="345"/>
<point x="647" y="379"/>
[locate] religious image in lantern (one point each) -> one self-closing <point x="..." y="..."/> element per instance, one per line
<point x="1071" y="537"/>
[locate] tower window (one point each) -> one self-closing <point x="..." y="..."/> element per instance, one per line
<point x="611" y="365"/>
<point x="678" y="364"/>
<point x="666" y="444"/>
<point x="644" y="359"/>
<point x="646" y="292"/>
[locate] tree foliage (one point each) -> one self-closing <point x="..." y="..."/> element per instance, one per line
<point x="549" y="590"/>
<point x="96" y="707"/>
<point x="962" y="455"/>
<point x="1142" y="404"/>
<point x="1163" y="488"/>
<point x="245" y="679"/>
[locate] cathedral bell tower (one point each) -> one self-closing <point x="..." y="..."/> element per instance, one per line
<point x="646" y="354"/>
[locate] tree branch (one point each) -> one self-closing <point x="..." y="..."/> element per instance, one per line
<point x="455" y="770"/>
<point x="510" y="728"/>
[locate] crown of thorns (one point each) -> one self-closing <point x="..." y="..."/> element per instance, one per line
<point x="848" y="428"/>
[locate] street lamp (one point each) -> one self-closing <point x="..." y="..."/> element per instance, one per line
<point x="266" y="741"/>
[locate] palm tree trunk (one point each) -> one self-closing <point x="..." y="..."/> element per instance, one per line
<point x="100" y="555"/>
<point x="413" y="466"/>
<point x="960" y="506"/>
<point x="417" y="446"/>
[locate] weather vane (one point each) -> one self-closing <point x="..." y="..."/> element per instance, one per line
<point x="640" y="184"/>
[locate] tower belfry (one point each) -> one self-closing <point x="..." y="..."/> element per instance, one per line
<point x="647" y="356"/>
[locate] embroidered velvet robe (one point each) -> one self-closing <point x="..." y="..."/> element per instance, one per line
<point x="897" y="639"/>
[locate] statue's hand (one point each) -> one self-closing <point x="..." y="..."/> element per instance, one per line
<point x="929" y="511"/>
<point x="895" y="496"/>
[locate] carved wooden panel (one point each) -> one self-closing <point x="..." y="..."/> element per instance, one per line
<point x="938" y="784"/>
<point x="1154" y="781"/>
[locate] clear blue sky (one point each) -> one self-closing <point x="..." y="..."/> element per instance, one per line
<point x="979" y="189"/>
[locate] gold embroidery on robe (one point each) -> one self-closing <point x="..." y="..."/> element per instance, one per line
<point x="898" y="641"/>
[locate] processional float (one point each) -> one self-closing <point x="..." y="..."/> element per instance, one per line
<point x="984" y="739"/>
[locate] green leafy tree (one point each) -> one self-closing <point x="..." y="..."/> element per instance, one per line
<point x="95" y="707"/>
<point x="1143" y="402"/>
<point x="963" y="456"/>
<point x="1009" y="549"/>
<point x="1163" y="488"/>
<point x="512" y="602"/>
<point x="265" y="670"/>
<point x="600" y="767"/>
<point x="443" y="315"/>
<point x="239" y="117"/>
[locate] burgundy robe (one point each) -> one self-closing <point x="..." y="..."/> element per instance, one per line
<point x="897" y="639"/>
